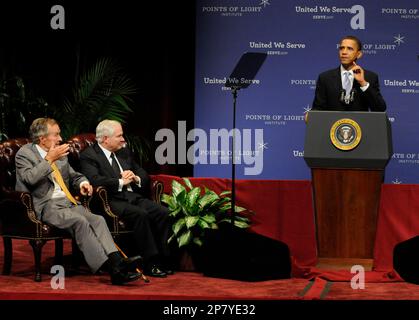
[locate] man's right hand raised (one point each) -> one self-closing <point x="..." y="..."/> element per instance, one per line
<point x="57" y="152"/>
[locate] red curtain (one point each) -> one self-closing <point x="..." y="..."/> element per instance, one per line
<point x="398" y="220"/>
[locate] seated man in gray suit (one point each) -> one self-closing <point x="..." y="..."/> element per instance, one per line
<point x="43" y="170"/>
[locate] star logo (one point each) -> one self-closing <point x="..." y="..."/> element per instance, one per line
<point x="264" y="3"/>
<point x="396" y="181"/>
<point x="399" y="39"/>
<point x="307" y="109"/>
<point x="263" y="145"/>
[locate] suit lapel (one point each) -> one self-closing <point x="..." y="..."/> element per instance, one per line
<point x="337" y="80"/>
<point x="106" y="166"/>
<point x="36" y="152"/>
<point x="122" y="161"/>
<point x="39" y="158"/>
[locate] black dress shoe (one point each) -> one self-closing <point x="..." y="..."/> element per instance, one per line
<point x="168" y="271"/>
<point x="119" y="277"/>
<point x="130" y="264"/>
<point x="155" y="271"/>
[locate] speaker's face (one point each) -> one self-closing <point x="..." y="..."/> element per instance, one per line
<point x="349" y="53"/>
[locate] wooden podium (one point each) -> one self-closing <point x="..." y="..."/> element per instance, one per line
<point x="347" y="153"/>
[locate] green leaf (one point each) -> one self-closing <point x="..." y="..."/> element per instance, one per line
<point x="203" y="224"/>
<point x="191" y="221"/>
<point x="209" y="218"/>
<point x="178" y="225"/>
<point x="241" y="224"/>
<point x="173" y="236"/>
<point x="223" y="201"/>
<point x="239" y="209"/>
<point x="195" y="209"/>
<point x="197" y="241"/>
<point x="193" y="196"/>
<point x="226" y="207"/>
<point x="169" y="201"/>
<point x="207" y="200"/>
<point x="175" y="211"/>
<point x="185" y="211"/>
<point x="166" y="198"/>
<point x="225" y="193"/>
<point x="185" y="238"/>
<point x="101" y="92"/>
<point x="177" y="188"/>
<point x="244" y="219"/>
<point x="188" y="183"/>
<point x="181" y="197"/>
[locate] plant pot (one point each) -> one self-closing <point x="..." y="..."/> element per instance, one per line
<point x="189" y="260"/>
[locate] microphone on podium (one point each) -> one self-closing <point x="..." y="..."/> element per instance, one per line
<point x="342" y="95"/>
<point x="351" y="98"/>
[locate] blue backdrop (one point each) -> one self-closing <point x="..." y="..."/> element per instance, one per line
<point x="301" y="38"/>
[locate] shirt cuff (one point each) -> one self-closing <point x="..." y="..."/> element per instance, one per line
<point x="364" y="88"/>
<point x="83" y="182"/>
<point x="121" y="185"/>
<point x="139" y="182"/>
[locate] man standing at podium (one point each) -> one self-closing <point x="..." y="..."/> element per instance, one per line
<point x="348" y="87"/>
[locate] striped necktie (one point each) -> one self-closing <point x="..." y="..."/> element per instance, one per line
<point x="59" y="179"/>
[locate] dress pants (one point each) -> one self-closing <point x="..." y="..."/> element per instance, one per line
<point x="89" y="230"/>
<point x="150" y="222"/>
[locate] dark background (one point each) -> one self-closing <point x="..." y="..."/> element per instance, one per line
<point x="153" y="41"/>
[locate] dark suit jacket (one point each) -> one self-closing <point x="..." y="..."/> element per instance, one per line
<point x="329" y="87"/>
<point x="100" y="173"/>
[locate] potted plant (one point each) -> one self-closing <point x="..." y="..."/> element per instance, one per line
<point x="195" y="209"/>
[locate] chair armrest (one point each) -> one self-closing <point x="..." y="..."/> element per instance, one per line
<point x="18" y="217"/>
<point x="17" y="206"/>
<point x="157" y="189"/>
<point x="99" y="204"/>
<point x="84" y="199"/>
<point x="102" y="194"/>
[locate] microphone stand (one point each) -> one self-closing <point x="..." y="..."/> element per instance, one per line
<point x="233" y="166"/>
<point x="247" y="67"/>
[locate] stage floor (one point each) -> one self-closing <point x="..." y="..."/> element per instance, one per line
<point x="330" y="280"/>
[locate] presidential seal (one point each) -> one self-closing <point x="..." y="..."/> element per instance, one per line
<point x="345" y="134"/>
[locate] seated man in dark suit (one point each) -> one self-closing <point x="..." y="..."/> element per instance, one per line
<point x="43" y="170"/>
<point x="109" y="164"/>
<point x="348" y="87"/>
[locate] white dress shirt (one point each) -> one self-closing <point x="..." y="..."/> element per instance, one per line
<point x="351" y="78"/>
<point x="121" y="181"/>
<point x="58" y="192"/>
